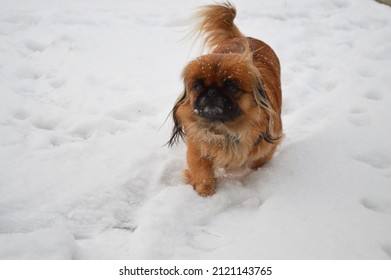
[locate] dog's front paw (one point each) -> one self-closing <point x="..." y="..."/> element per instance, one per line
<point x="203" y="189"/>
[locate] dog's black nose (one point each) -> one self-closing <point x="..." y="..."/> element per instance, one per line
<point x="215" y="105"/>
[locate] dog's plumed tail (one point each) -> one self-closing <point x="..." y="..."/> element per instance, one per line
<point x="216" y="24"/>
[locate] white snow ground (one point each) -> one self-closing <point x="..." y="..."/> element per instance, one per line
<point x="85" y="87"/>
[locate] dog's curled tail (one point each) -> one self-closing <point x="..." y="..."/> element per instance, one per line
<point x="216" y="24"/>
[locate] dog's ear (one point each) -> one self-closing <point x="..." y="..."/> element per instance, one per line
<point x="264" y="103"/>
<point x="262" y="97"/>
<point x="177" y="131"/>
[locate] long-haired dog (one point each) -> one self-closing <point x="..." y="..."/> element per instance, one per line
<point x="230" y="110"/>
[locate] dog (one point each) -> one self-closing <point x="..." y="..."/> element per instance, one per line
<point x="229" y="113"/>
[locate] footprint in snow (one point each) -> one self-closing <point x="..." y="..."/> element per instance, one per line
<point x="35" y="46"/>
<point x="57" y="83"/>
<point x="21" y="114"/>
<point x="365" y="72"/>
<point x="387" y="250"/>
<point x="28" y="74"/>
<point x="358" y="116"/>
<point x="89" y="127"/>
<point x="373" y="95"/>
<point x="375" y="160"/>
<point x="380" y="206"/>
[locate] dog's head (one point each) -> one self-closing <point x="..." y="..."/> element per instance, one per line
<point x="220" y="90"/>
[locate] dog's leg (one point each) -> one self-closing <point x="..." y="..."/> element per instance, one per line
<point x="200" y="171"/>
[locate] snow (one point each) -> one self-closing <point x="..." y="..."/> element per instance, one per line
<point x="86" y="86"/>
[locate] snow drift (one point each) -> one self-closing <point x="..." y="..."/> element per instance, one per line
<point x="85" y="87"/>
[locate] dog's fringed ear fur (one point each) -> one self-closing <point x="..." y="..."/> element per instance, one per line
<point x="263" y="99"/>
<point x="177" y="131"/>
<point x="264" y="103"/>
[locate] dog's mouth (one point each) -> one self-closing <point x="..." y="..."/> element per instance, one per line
<point x="215" y="106"/>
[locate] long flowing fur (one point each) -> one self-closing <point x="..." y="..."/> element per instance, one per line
<point x="216" y="24"/>
<point x="177" y="131"/>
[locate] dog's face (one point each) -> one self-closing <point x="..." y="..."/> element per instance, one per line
<point x="220" y="88"/>
<point x="215" y="88"/>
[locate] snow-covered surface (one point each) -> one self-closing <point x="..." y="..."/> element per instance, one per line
<point x="85" y="87"/>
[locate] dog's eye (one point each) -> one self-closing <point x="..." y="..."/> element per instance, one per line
<point x="231" y="86"/>
<point x="198" y="85"/>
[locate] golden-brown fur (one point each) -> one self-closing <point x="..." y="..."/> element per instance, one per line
<point x="251" y="138"/>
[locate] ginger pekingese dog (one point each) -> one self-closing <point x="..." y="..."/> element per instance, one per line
<point x="230" y="110"/>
